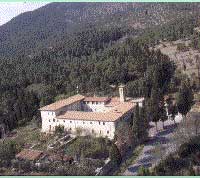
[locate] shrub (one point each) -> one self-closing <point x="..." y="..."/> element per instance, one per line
<point x="15" y="164"/>
<point x="187" y="149"/>
<point x="7" y="152"/>
<point x="25" y="166"/>
<point x="59" y="130"/>
<point x="88" y="147"/>
<point x="143" y="171"/>
<point x="182" y="47"/>
<point x="115" y="155"/>
<point x="159" y="169"/>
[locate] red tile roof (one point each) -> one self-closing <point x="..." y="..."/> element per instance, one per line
<point x="114" y="114"/>
<point x="59" y="104"/>
<point x="59" y="157"/>
<point x="99" y="99"/>
<point x="28" y="154"/>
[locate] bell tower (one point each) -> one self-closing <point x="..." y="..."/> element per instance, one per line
<point x="122" y="93"/>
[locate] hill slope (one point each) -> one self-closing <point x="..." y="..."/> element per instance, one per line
<point x="55" y="22"/>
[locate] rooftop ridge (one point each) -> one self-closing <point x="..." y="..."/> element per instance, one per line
<point x="62" y="103"/>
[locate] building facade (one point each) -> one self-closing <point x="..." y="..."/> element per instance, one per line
<point x="97" y="116"/>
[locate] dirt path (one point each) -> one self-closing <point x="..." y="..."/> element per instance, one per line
<point x="147" y="158"/>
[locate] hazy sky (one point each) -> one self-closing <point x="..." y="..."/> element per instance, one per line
<point x="8" y="10"/>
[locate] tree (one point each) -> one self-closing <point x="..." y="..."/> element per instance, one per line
<point x="173" y="112"/>
<point x="115" y="155"/>
<point x="185" y="99"/>
<point x="59" y="130"/>
<point x="7" y="151"/>
<point x="153" y="106"/>
<point x="144" y="122"/>
<point x="163" y="113"/>
<point x="124" y="134"/>
<point x="143" y="171"/>
<point x="136" y="123"/>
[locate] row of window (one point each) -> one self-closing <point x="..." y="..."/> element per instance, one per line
<point x="54" y="120"/>
<point x="100" y="131"/>
<point x="93" y="102"/>
<point x="50" y="113"/>
<point x="93" y="131"/>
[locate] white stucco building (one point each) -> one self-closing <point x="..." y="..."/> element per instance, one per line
<point x="98" y="116"/>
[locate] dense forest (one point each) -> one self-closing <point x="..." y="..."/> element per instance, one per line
<point x="53" y="23"/>
<point x="93" y="57"/>
<point x="51" y="73"/>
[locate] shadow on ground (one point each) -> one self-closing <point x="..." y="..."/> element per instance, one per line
<point x="135" y="169"/>
<point x="146" y="159"/>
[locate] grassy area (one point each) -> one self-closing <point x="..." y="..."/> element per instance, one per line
<point x="129" y="161"/>
<point x="89" y="147"/>
<point x="30" y="135"/>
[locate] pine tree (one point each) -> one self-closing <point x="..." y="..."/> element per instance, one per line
<point x="174" y="112"/>
<point x="163" y="112"/>
<point x="136" y="123"/>
<point x="115" y="155"/>
<point x="153" y="106"/>
<point x="185" y="99"/>
<point x="144" y="122"/>
<point x="156" y="95"/>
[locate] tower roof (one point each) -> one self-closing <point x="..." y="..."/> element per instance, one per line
<point x="122" y="86"/>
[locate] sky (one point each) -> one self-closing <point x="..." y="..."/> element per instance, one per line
<point x="8" y="10"/>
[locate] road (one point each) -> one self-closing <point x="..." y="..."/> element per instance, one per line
<point x="160" y="139"/>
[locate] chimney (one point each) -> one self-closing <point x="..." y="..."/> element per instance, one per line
<point x="122" y="93"/>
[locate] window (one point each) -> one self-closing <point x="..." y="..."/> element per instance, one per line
<point x="92" y="102"/>
<point x="52" y="113"/>
<point x="90" y="122"/>
<point x="107" y="132"/>
<point x="49" y="120"/>
<point x="103" y="123"/>
<point x="54" y="120"/>
<point x="70" y="128"/>
<point x="70" y="121"/>
<point x="99" y="123"/>
<point x="100" y="131"/>
<point x="63" y="120"/>
<point x="92" y="131"/>
<point x="83" y="122"/>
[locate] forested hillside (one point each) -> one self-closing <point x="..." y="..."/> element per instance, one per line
<point x="48" y="52"/>
<point x="56" y="22"/>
